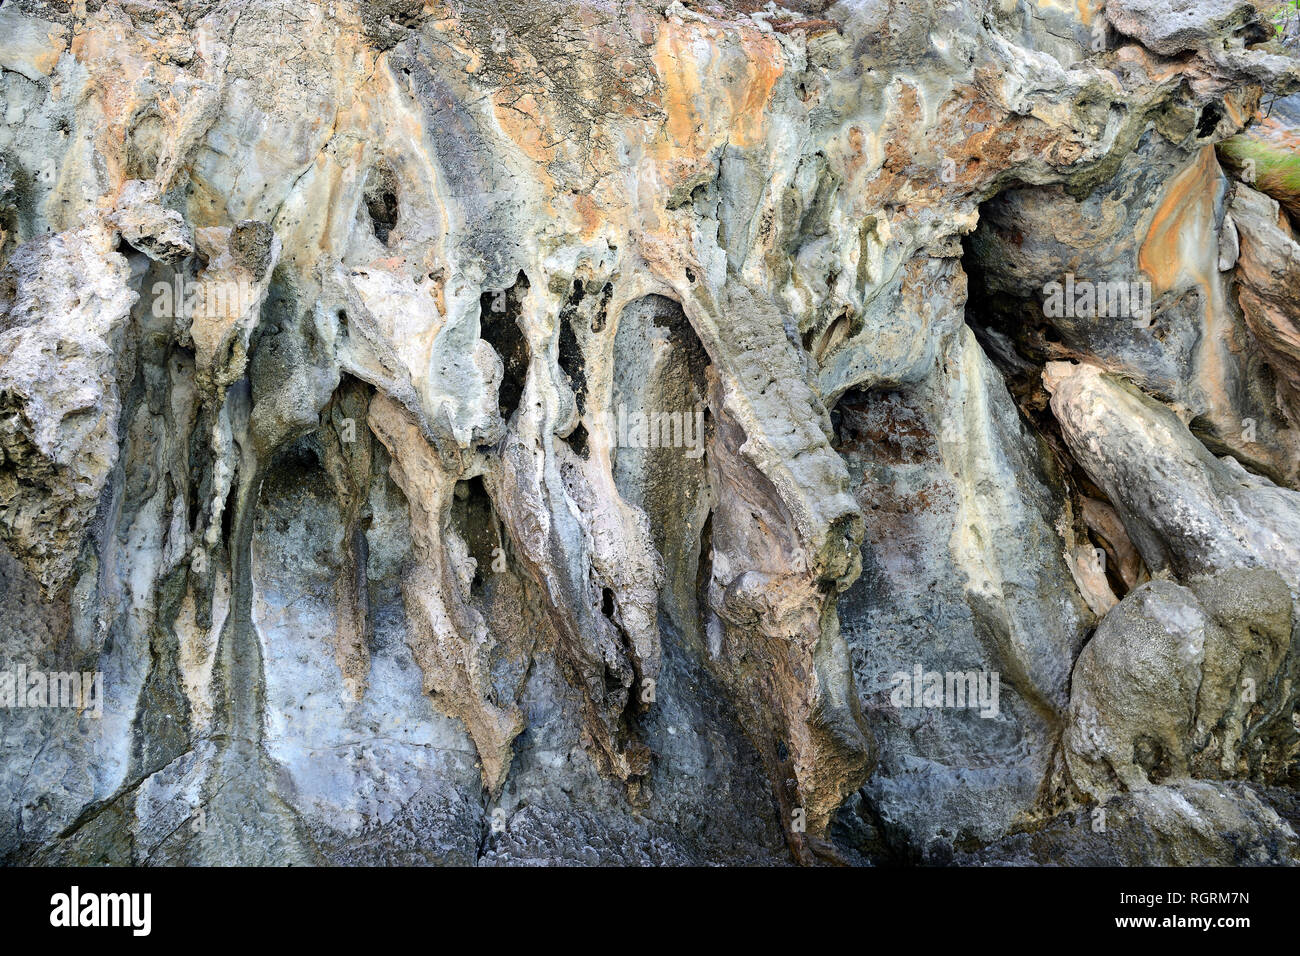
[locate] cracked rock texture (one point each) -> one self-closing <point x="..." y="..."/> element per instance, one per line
<point x="513" y="433"/>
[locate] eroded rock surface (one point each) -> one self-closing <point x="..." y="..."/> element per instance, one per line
<point x="514" y="433"/>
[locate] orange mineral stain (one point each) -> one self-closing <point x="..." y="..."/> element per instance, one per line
<point x="675" y="64"/>
<point x="1182" y="229"/>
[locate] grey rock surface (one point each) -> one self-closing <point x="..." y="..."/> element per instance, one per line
<point x="520" y="433"/>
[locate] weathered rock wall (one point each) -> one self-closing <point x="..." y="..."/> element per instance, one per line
<point x="331" y="335"/>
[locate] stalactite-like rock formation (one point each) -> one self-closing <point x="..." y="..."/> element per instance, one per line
<point x="466" y="432"/>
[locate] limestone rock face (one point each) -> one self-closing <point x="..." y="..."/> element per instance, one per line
<point x="1170" y="27"/>
<point x="503" y="433"/>
<point x="1196" y="668"/>
<point x="63" y="343"/>
<point x="1268" y="274"/>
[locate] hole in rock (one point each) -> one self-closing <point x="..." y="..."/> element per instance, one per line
<point x="601" y="317"/>
<point x="228" y="513"/>
<point x="1209" y="121"/>
<point x="499" y="313"/>
<point x="578" y="441"/>
<point x="612" y="684"/>
<point x="704" y="562"/>
<point x="571" y="360"/>
<point x="1149" y="754"/>
<point x="474" y="520"/>
<point x="381" y="201"/>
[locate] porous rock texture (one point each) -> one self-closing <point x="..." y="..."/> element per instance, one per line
<point x="325" y="328"/>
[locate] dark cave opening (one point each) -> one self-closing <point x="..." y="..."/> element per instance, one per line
<point x="579" y="441"/>
<point x="499" y="313"/>
<point x="1020" y="339"/>
<point x="1209" y="120"/>
<point x="475" y="520"/>
<point x="570" y="357"/>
